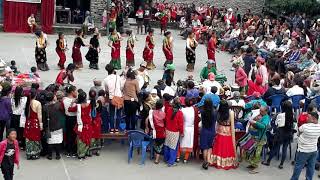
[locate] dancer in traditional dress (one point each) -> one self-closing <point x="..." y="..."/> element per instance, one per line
<point x="115" y="44"/>
<point x="33" y="126"/>
<point x="211" y="48"/>
<point x="167" y="48"/>
<point x="96" y="107"/>
<point x="93" y="54"/>
<point x="129" y="50"/>
<point x="76" y="52"/>
<point x="40" y="52"/>
<point x="191" y="51"/>
<point x="61" y="50"/>
<point x="148" y="50"/>
<point x="113" y="18"/>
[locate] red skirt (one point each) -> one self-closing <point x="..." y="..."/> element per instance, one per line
<point x="223" y="153"/>
<point x="115" y="53"/>
<point x="129" y="55"/>
<point x="32" y="130"/>
<point x="168" y="54"/>
<point x="86" y="135"/>
<point x="96" y="127"/>
<point x="211" y="54"/>
<point x="147" y="55"/>
<point x="76" y="55"/>
<point x="62" y="56"/>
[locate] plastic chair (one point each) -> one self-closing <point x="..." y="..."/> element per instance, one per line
<point x="309" y="100"/>
<point x="276" y="101"/>
<point x="296" y="101"/>
<point x="141" y="141"/>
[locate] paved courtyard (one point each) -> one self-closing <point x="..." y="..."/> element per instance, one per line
<point x="112" y="164"/>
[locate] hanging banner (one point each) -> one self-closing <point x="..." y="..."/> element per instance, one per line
<point x="26" y="1"/>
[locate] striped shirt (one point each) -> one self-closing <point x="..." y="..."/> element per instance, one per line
<point x="308" y="138"/>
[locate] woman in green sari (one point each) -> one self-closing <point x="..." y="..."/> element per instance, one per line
<point x="115" y="44"/>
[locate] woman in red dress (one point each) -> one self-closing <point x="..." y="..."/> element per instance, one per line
<point x="33" y="127"/>
<point x="115" y="44"/>
<point x="83" y="128"/>
<point x="167" y="48"/>
<point x="211" y="48"/>
<point x="224" y="148"/>
<point x="61" y="50"/>
<point x="164" y="19"/>
<point x="148" y="50"/>
<point x="129" y="49"/>
<point x="76" y="52"/>
<point x="96" y="107"/>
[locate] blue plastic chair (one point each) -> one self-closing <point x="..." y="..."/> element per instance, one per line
<point x="309" y="100"/>
<point x="276" y="101"/>
<point x="138" y="140"/>
<point x="296" y="102"/>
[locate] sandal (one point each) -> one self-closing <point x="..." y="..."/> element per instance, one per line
<point x="156" y="162"/>
<point x="280" y="166"/>
<point x="253" y="171"/>
<point x="265" y="163"/>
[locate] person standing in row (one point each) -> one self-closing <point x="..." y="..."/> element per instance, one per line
<point x="93" y="54"/>
<point x="40" y="52"/>
<point x="53" y="112"/>
<point x="71" y="120"/>
<point x="115" y="44"/>
<point x="167" y="48"/>
<point x="18" y="118"/>
<point x="139" y="15"/>
<point x="33" y="127"/>
<point x="129" y="50"/>
<point x="96" y="107"/>
<point x="148" y="50"/>
<point x="147" y="18"/>
<point x="61" y="50"/>
<point x="76" y="49"/>
<point x="191" y="51"/>
<point x="84" y="126"/>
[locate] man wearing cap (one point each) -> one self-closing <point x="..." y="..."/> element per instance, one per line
<point x="208" y="69"/>
<point x="210" y="82"/>
<point x="306" y="155"/>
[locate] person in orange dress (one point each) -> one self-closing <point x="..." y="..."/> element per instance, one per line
<point x="148" y="50"/>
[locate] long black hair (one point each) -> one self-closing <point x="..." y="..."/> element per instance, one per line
<point x="82" y="97"/>
<point x="32" y="95"/>
<point x="18" y="93"/>
<point x="223" y="112"/>
<point x="206" y="115"/>
<point x="289" y="118"/>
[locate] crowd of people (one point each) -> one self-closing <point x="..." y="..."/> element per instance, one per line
<point x="275" y="95"/>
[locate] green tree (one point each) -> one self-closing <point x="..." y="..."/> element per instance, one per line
<point x="311" y="7"/>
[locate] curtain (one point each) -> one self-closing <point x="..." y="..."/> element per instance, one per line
<point x="15" y="16"/>
<point x="47" y="15"/>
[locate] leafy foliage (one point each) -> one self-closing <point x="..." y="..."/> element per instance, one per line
<point x="310" y="7"/>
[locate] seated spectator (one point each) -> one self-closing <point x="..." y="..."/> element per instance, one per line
<point x="32" y="23"/>
<point x="88" y="24"/>
<point x="236" y="100"/>
<point x="296" y="89"/>
<point x="267" y="45"/>
<point x="275" y="89"/>
<point x="210" y="82"/>
<point x="208" y="69"/>
<point x="255" y="86"/>
<point x="212" y="95"/>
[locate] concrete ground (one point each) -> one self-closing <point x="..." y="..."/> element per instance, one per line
<point x="112" y="164"/>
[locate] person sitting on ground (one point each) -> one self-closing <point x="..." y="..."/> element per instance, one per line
<point x="236" y="100"/>
<point x="208" y="69"/>
<point x="210" y="82"/>
<point x="34" y="72"/>
<point x="255" y="86"/>
<point x="88" y="24"/>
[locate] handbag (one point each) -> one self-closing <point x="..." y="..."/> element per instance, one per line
<point x="117" y="101"/>
<point x="248" y="143"/>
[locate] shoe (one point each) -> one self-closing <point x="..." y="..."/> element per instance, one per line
<point x="250" y="167"/>
<point x="178" y="160"/>
<point x="74" y="155"/>
<point x="253" y="171"/>
<point x="172" y="165"/>
<point x="68" y="155"/>
<point x="280" y="166"/>
<point x="116" y="131"/>
<point x="58" y="157"/>
<point x="185" y="161"/>
<point x="265" y="163"/>
<point x="97" y="153"/>
<point x="205" y="165"/>
<point x="111" y="131"/>
<point x="49" y="157"/>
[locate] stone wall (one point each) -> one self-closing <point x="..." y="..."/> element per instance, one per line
<point x="97" y="7"/>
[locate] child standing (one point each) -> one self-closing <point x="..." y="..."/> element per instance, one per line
<point x="9" y="154"/>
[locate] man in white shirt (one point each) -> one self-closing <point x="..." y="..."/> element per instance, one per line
<point x="211" y="81"/>
<point x="267" y="44"/>
<point x="295" y="90"/>
<point x="307" y="147"/>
